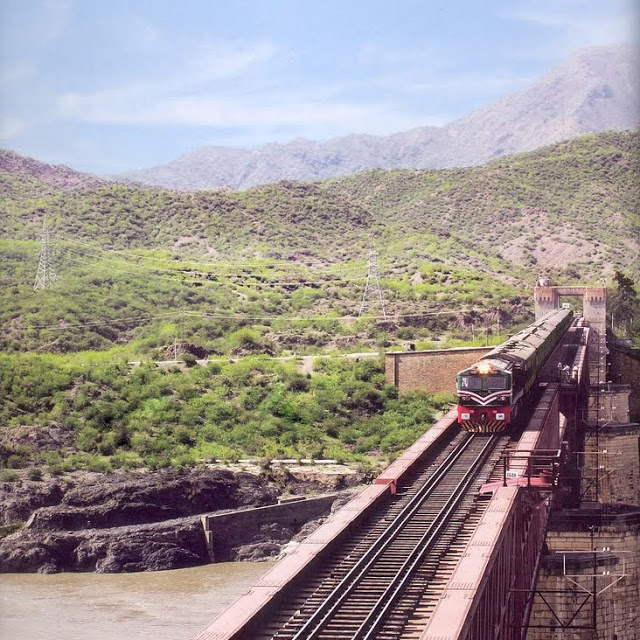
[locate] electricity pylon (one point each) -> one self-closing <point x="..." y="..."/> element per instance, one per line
<point x="46" y="276"/>
<point x="372" y="290"/>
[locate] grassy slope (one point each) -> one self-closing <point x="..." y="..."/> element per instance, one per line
<point x="572" y="207"/>
<point x="447" y="240"/>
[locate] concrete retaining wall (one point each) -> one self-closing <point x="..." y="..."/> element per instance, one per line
<point x="227" y="530"/>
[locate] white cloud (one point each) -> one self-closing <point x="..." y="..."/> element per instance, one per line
<point x="203" y="64"/>
<point x="181" y="96"/>
<point x="575" y="24"/>
<point x="267" y="111"/>
<point x="207" y="93"/>
<point x="11" y="127"/>
<point x="228" y="86"/>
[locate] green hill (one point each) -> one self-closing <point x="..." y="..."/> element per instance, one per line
<point x="278" y="271"/>
<point x="450" y="240"/>
<point x="571" y="207"/>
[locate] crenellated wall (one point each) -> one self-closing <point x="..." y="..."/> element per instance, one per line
<point x="594" y="308"/>
<point x="545" y="300"/>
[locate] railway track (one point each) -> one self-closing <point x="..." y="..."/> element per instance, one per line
<point x="385" y="581"/>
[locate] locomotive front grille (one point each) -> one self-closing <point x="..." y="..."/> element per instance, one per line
<point x="490" y="426"/>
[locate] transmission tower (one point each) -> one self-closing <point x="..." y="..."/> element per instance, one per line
<point x="372" y="290"/>
<point x="46" y="276"/>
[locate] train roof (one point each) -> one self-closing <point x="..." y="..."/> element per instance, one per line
<point x="522" y="345"/>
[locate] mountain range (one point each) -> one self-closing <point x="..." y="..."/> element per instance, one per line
<point x="593" y="90"/>
<point x="572" y="205"/>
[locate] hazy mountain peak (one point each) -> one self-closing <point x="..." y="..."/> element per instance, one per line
<point x="593" y="90"/>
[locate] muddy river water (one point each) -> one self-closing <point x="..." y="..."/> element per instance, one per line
<point x="161" y="605"/>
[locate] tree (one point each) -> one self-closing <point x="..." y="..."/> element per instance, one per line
<point x="624" y="305"/>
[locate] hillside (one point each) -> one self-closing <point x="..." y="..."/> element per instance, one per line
<point x="572" y="207"/>
<point x="282" y="268"/>
<point x="57" y="176"/>
<point x="252" y="280"/>
<point x="594" y="90"/>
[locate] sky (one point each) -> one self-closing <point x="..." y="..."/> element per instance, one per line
<point x="114" y="85"/>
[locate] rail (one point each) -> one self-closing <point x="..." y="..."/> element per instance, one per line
<point x="402" y="562"/>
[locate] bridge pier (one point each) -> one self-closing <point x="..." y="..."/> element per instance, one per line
<point x="589" y="585"/>
<point x="588" y="581"/>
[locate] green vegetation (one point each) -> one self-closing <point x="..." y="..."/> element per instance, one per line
<point x="138" y="311"/>
<point x="121" y="416"/>
<point x="246" y="278"/>
<point x="571" y="210"/>
<point x="624" y="307"/>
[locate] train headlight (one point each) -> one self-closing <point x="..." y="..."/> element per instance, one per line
<point x="499" y="416"/>
<point x="465" y="416"/>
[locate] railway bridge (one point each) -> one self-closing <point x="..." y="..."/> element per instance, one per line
<point x="471" y="537"/>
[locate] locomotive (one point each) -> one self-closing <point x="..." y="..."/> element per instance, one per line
<point x="491" y="391"/>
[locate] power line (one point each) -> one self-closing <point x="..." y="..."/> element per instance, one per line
<point x="372" y="290"/>
<point x="46" y="276"/>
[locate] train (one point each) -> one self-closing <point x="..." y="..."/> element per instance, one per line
<point x="491" y="391"/>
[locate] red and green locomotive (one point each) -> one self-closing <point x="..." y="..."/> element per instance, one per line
<point x="491" y="391"/>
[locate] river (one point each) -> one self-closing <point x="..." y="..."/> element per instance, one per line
<point x="163" y="605"/>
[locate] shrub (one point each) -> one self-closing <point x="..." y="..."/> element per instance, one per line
<point x="99" y="465"/>
<point x="9" y="475"/>
<point x="35" y="474"/>
<point x="189" y="359"/>
<point x="183" y="460"/>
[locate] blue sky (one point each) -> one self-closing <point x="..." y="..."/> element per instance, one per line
<point x="108" y="86"/>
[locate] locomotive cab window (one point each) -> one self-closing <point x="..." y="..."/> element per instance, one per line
<point x="470" y="382"/>
<point x="496" y="382"/>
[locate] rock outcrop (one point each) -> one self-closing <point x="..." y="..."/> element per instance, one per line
<point x="145" y="521"/>
<point x="119" y="522"/>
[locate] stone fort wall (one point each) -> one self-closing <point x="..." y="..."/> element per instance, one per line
<point x="625" y="369"/>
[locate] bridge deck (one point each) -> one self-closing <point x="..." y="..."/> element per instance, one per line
<point x="245" y="614"/>
<point x="483" y="579"/>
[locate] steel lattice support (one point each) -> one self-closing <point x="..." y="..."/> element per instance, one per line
<point x="372" y="291"/>
<point x="46" y="275"/>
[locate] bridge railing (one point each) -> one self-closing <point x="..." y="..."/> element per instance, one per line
<point x="540" y="467"/>
<point x="490" y="594"/>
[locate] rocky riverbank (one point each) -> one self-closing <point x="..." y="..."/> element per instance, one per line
<point x="146" y="521"/>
